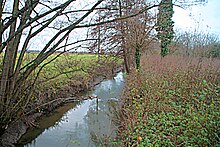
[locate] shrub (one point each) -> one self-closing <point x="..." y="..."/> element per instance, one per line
<point x="171" y="102"/>
<point x="215" y="52"/>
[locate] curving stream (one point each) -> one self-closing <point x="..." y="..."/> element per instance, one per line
<point x="80" y="124"/>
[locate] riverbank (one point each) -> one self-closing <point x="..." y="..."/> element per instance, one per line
<point x="83" y="123"/>
<point x="51" y="91"/>
<point x="172" y="101"/>
<point x="15" y="130"/>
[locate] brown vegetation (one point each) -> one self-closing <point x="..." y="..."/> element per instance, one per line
<point x="171" y="101"/>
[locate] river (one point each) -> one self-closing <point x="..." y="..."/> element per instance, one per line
<point x="86" y="123"/>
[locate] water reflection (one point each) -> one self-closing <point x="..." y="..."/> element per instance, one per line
<point x="99" y="123"/>
<point x="88" y="124"/>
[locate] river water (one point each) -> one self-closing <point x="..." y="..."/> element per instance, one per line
<point x="80" y="124"/>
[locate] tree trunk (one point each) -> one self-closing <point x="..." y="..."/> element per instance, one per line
<point x="1" y="25"/>
<point x="8" y="62"/>
<point x="137" y="57"/>
<point x="125" y="55"/>
<point x="99" y="41"/>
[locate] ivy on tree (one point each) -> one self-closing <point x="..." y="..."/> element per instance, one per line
<point x="138" y="56"/>
<point x="165" y="25"/>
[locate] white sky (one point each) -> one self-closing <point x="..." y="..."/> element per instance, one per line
<point x="205" y="18"/>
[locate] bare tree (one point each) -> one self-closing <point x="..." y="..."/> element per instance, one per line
<point x="195" y="43"/>
<point x="119" y="36"/>
<point x="33" y="17"/>
<point x="24" y="21"/>
<point x="124" y="36"/>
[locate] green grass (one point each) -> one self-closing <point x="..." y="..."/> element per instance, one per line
<point x="171" y="102"/>
<point x="69" y="66"/>
<point x="63" y="77"/>
<point x="80" y="67"/>
<point x="69" y="73"/>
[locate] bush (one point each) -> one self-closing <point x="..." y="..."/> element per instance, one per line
<point x="171" y="102"/>
<point x="215" y="52"/>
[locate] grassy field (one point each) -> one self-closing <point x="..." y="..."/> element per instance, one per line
<point x="71" y="73"/>
<point x="172" y="101"/>
<point x="64" y="76"/>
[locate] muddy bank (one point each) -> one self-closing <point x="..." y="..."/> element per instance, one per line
<point x="67" y="94"/>
<point x="16" y="129"/>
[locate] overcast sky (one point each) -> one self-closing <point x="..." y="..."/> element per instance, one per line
<point x="207" y="17"/>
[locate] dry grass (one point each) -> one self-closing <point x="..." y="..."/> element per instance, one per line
<point x="172" y="101"/>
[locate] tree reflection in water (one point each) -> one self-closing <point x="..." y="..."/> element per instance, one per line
<point x="100" y="123"/>
<point x="88" y="124"/>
